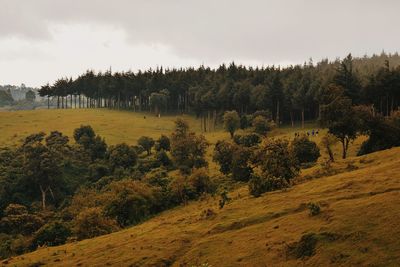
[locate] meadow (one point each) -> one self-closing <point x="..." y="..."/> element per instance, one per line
<point x="357" y="226"/>
<point x="121" y="126"/>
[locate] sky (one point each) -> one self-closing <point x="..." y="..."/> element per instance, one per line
<point x="42" y="40"/>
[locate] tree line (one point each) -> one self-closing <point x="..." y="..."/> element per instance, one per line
<point x="292" y="94"/>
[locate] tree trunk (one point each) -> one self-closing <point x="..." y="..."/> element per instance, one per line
<point x="277" y="113"/>
<point x="302" y="118"/>
<point x="48" y="102"/>
<point x="43" y="197"/>
<point x="330" y="153"/>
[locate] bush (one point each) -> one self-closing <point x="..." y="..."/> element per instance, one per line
<point x="304" y="150"/>
<point x="314" y="208"/>
<point x="51" y="234"/>
<point x="130" y="202"/>
<point x="263" y="113"/>
<point x="231" y="121"/>
<point x="17" y="220"/>
<point x="247" y="140"/>
<point x="245" y="121"/>
<point x="91" y="222"/>
<point x="163" y="158"/>
<point x="163" y="143"/>
<point x="200" y="182"/>
<point x="181" y="190"/>
<point x="262" y="125"/>
<point x="265" y="183"/>
<point x="122" y="156"/>
<point x="147" y="143"/>
<point x="275" y="159"/>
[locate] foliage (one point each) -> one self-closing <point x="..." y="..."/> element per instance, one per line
<point x="231" y="122"/>
<point x="262" y="125"/>
<point x="92" y="143"/>
<point x="163" y="143"/>
<point x="259" y="184"/>
<point x="122" y="156"/>
<point x="342" y="121"/>
<point x="305" y="150"/>
<point x="314" y="208"/>
<point x="275" y="159"/>
<point x="91" y="222"/>
<point x="327" y="141"/>
<point x="147" y="143"/>
<point x="247" y="140"/>
<point x="233" y="159"/>
<point x="17" y="220"/>
<point x="52" y="234"/>
<point x="187" y="148"/>
<point x="129" y="202"/>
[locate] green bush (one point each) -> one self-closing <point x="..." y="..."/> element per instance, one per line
<point x="305" y="150"/>
<point x="247" y="140"/>
<point x="91" y="222"/>
<point x="51" y="234"/>
<point x="314" y="208"/>
<point x="265" y="183"/>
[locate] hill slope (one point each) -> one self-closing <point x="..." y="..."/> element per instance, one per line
<point x="357" y="226"/>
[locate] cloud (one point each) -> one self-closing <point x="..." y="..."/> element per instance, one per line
<point x="212" y="31"/>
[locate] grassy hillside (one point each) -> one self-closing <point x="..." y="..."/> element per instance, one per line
<point x="115" y="126"/>
<point x="357" y="226"/>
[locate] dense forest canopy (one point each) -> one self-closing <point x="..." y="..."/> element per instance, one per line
<point x="292" y="93"/>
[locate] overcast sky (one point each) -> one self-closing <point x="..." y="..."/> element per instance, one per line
<point x="42" y="40"/>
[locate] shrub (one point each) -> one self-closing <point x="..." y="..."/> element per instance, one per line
<point x="163" y="143"/>
<point x="51" y="234"/>
<point x="233" y="159"/>
<point x="147" y="143"/>
<point x="163" y="158"/>
<point x="263" y="113"/>
<point x="265" y="183"/>
<point x="304" y="150"/>
<point x="97" y="170"/>
<point x="181" y="190"/>
<point x="129" y="202"/>
<point x="314" y="208"/>
<point x="17" y="220"/>
<point x="245" y="121"/>
<point x="262" y="125"/>
<point x="91" y="222"/>
<point x="275" y="159"/>
<point x="187" y="148"/>
<point x="122" y="156"/>
<point x="247" y="140"/>
<point x="231" y="121"/>
<point x="200" y="181"/>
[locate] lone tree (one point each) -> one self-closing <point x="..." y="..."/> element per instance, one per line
<point x="231" y="122"/>
<point x="342" y="121"/>
<point x="188" y="149"/>
<point x="147" y="143"/>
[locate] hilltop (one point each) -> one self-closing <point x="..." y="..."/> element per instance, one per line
<point x="356" y="227"/>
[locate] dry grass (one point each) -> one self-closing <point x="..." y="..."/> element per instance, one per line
<point x="358" y="224"/>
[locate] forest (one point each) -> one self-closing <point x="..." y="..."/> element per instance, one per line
<point x="292" y="94"/>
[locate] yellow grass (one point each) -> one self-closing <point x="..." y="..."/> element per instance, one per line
<point x="358" y="226"/>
